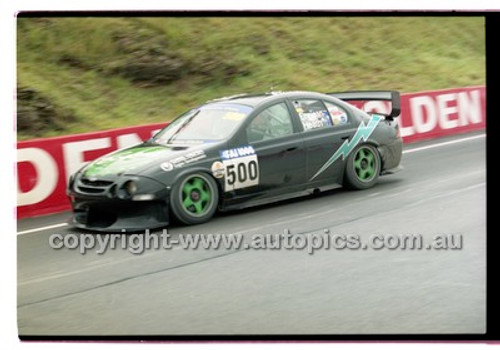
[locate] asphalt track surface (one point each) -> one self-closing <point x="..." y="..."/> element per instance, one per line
<point x="442" y="190"/>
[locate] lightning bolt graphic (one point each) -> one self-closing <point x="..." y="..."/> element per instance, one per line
<point x="363" y="133"/>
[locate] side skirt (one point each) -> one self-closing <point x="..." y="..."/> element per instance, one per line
<point x="278" y="198"/>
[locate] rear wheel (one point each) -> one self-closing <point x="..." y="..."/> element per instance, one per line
<point x="194" y="198"/>
<point x="362" y="168"/>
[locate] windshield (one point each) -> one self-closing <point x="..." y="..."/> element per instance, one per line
<point x="208" y="123"/>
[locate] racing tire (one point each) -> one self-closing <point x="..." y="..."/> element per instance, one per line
<point x="362" y="168"/>
<point x="194" y="198"/>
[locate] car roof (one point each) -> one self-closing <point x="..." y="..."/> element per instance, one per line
<point x="254" y="100"/>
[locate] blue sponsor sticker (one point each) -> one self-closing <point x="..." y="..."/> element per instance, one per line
<point x="343" y="118"/>
<point x="237" y="152"/>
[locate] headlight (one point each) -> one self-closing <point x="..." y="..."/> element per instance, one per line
<point x="127" y="190"/>
<point x="130" y="187"/>
<point x="137" y="189"/>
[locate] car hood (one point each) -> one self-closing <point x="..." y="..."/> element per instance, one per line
<point x="136" y="160"/>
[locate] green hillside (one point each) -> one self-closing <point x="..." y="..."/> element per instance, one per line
<point x="87" y="74"/>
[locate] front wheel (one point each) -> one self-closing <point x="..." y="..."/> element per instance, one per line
<point x="194" y="198"/>
<point x="362" y="167"/>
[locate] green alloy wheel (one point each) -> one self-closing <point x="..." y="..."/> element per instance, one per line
<point x="194" y="198"/>
<point x="362" y="167"/>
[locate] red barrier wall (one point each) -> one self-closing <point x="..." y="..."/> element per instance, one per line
<point x="431" y="114"/>
<point x="44" y="165"/>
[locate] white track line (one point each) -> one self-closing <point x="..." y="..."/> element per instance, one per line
<point x="423" y="148"/>
<point x="417" y="149"/>
<point x="42" y="228"/>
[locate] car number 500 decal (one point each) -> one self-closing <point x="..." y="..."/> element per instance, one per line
<point x="241" y="168"/>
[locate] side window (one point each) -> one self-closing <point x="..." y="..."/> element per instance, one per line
<point x="312" y="114"/>
<point x="338" y="114"/>
<point x="273" y="122"/>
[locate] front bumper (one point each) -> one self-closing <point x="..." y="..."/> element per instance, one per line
<point x="113" y="215"/>
<point x="98" y="205"/>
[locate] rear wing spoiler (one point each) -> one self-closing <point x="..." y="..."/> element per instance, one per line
<point x="392" y="96"/>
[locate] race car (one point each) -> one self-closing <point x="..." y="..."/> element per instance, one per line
<point x="235" y="152"/>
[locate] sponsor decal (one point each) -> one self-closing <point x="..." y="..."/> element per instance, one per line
<point x="363" y="133"/>
<point x="217" y="170"/>
<point x="187" y="159"/>
<point x="315" y="120"/>
<point x="336" y="114"/>
<point x="167" y="166"/>
<point x="339" y="116"/>
<point x="237" y="152"/>
<point x="241" y="168"/>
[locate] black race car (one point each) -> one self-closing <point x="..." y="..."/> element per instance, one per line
<point x="236" y="152"/>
